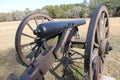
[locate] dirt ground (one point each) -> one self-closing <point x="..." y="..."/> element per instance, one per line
<point x="9" y="64"/>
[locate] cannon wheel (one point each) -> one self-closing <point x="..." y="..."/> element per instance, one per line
<point x="97" y="44"/>
<point x="25" y="39"/>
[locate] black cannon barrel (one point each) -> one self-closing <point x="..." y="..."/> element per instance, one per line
<point x="55" y="27"/>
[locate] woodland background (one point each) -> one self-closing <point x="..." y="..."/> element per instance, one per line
<point x="82" y="10"/>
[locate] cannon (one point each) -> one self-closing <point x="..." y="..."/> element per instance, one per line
<point x="44" y="45"/>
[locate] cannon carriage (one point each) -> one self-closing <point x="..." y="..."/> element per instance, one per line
<point x="45" y="42"/>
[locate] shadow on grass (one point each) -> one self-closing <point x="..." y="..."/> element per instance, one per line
<point x="69" y="67"/>
<point x="9" y="64"/>
<point x="12" y="76"/>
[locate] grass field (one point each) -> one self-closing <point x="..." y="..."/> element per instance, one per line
<point x="9" y="64"/>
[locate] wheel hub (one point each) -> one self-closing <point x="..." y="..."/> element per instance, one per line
<point x="66" y="61"/>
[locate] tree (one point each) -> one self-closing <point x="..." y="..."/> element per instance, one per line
<point x="18" y="15"/>
<point x="112" y="5"/>
<point x="44" y="11"/>
<point x="27" y="11"/>
<point x="76" y="12"/>
<point x="58" y="12"/>
<point x="85" y="2"/>
<point x="50" y="10"/>
<point x="4" y="18"/>
<point x="9" y="17"/>
<point x="37" y="10"/>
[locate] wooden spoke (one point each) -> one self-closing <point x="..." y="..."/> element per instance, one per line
<point x="103" y="15"/>
<point x="30" y="26"/>
<point x="96" y="45"/>
<point x="27" y="44"/>
<point x="36" y="22"/>
<point x="28" y="35"/>
<point x="98" y="35"/>
<point x="105" y="22"/>
<point x="101" y="27"/>
<point x="43" y="19"/>
<point x="105" y="32"/>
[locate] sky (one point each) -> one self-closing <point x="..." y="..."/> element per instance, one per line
<point x="12" y="5"/>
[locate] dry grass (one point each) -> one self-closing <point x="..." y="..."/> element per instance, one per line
<point x="8" y="63"/>
<point x="114" y="57"/>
